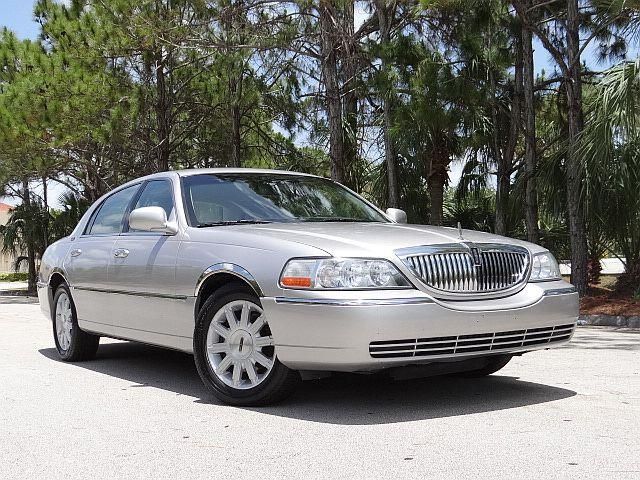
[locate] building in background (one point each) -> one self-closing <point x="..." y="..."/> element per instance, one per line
<point x="7" y="260"/>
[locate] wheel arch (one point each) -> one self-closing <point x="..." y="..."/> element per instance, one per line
<point x="56" y="278"/>
<point x="219" y="275"/>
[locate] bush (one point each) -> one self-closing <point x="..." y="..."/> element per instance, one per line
<point x="13" y="277"/>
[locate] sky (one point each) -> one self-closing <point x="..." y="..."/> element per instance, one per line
<point x="17" y="15"/>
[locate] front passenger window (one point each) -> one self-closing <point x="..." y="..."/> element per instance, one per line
<point x="109" y="218"/>
<point x="156" y="193"/>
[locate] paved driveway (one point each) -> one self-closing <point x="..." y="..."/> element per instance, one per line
<point x="141" y="412"/>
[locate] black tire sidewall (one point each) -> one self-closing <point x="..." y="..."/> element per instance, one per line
<point x="251" y="396"/>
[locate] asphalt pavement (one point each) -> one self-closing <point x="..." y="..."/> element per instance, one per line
<point x="140" y="412"/>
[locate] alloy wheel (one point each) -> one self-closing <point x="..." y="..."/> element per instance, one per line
<point x="240" y="348"/>
<point x="64" y="321"/>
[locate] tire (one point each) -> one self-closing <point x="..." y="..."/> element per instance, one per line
<point x="494" y="364"/>
<point x="248" y="374"/>
<point x="73" y="344"/>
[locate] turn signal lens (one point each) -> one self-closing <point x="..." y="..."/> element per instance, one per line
<point x="293" y="282"/>
<point x="342" y="274"/>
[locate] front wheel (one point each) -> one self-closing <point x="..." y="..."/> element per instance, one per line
<point x="235" y="352"/>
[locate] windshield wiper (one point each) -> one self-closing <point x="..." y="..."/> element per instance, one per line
<point x="232" y="222"/>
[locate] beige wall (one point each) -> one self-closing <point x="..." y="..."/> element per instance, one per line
<point x="6" y="261"/>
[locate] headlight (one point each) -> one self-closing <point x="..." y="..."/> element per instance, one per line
<point x="544" y="267"/>
<point x="341" y="274"/>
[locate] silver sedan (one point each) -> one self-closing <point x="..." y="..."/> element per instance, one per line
<point x="267" y="277"/>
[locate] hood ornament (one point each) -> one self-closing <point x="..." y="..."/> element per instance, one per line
<point x="460" y="231"/>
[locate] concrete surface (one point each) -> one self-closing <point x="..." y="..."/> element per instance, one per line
<point x="141" y="412"/>
<point x="13" y="286"/>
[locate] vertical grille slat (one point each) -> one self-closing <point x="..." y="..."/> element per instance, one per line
<point x="455" y="270"/>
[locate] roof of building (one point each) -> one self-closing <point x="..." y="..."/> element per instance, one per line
<point x="5" y="207"/>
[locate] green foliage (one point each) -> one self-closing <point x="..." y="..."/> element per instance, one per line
<point x="13" y="277"/>
<point x="474" y="212"/>
<point x="115" y="89"/>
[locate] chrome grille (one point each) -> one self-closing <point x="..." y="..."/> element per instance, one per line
<point x="466" y="344"/>
<point x="470" y="269"/>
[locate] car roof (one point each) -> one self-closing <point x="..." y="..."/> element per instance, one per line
<point x="198" y="171"/>
<point x="212" y="171"/>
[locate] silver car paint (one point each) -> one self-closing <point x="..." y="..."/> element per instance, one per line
<point x="150" y="294"/>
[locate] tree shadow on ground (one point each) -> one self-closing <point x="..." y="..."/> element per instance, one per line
<point x="346" y="399"/>
<point x="17" y="299"/>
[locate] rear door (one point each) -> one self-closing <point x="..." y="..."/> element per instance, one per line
<point x="87" y="261"/>
<point x="143" y="269"/>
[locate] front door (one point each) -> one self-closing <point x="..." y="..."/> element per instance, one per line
<point x="143" y="270"/>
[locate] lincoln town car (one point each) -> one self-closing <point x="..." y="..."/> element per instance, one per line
<point x="270" y="277"/>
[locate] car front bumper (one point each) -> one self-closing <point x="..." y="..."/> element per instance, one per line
<point x="367" y="331"/>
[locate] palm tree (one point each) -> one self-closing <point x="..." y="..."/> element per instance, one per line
<point x="610" y="149"/>
<point x="25" y="232"/>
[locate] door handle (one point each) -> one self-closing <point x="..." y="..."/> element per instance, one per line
<point x="75" y="252"/>
<point x="120" y="252"/>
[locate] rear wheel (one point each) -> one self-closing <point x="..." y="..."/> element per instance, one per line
<point x="73" y="344"/>
<point x="492" y="365"/>
<point x="235" y="352"/>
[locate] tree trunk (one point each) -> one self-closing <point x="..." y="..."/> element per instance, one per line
<point x="45" y="214"/>
<point x="387" y="106"/>
<point x="31" y="250"/>
<point x="163" y="116"/>
<point x="435" y="182"/>
<point x="349" y="58"/>
<point x="505" y="165"/>
<point x="235" y="86"/>
<point x="329" y="44"/>
<point x="530" y="160"/>
<point x="573" y="86"/>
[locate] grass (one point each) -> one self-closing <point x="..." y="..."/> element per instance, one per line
<point x="13" y="277"/>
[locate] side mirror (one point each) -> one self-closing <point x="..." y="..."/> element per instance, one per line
<point x="396" y="215"/>
<point x="151" y="219"/>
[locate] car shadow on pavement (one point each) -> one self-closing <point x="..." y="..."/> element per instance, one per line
<point x="347" y="399"/>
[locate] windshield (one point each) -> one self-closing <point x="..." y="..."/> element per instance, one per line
<point x="220" y="199"/>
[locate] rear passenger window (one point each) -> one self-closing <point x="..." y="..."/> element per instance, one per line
<point x="157" y="193"/>
<point x="109" y="219"/>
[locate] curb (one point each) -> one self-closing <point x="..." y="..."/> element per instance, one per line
<point x="16" y="293"/>
<point x="610" y="320"/>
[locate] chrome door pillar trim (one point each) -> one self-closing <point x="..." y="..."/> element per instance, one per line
<point x="233" y="269"/>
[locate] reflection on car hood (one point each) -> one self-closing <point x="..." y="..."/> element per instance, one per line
<point x="362" y="239"/>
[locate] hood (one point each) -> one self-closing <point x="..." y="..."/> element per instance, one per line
<point x="374" y="239"/>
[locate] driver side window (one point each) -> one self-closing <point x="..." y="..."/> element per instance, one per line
<point x="110" y="216"/>
<point x="156" y="193"/>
